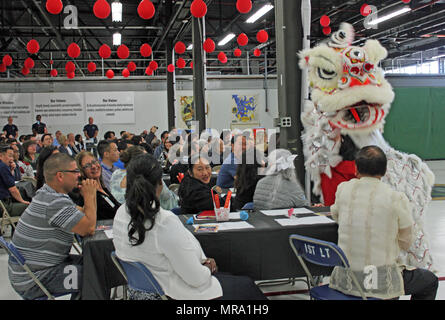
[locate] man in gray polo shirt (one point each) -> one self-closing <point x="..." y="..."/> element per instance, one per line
<point x="44" y="233"/>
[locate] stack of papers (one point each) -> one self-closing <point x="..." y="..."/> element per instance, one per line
<point x="304" y="221"/>
<point x="285" y="212"/>
<point x="228" y="225"/>
<point x="109" y="233"/>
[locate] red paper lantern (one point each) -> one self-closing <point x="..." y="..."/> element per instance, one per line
<point x="365" y="10"/>
<point x="51" y="62"/>
<point x="145" y="50"/>
<point x="237" y="52"/>
<point x="73" y="50"/>
<point x="153" y="65"/>
<point x="71" y="75"/>
<point x="180" y="63"/>
<point x="406" y="1"/>
<point x="180" y="47"/>
<point x="54" y="6"/>
<point x="148" y="71"/>
<point x="327" y="30"/>
<point x="262" y="36"/>
<point x="171" y="68"/>
<point x="257" y="52"/>
<point x="33" y="46"/>
<point x="91" y="67"/>
<point x="53" y="73"/>
<point x="242" y="39"/>
<point x="198" y="8"/>
<point x="131" y="66"/>
<point x="123" y="52"/>
<point x="209" y="45"/>
<point x="325" y="21"/>
<point x="29" y="63"/>
<point x="110" y="74"/>
<point x="7" y="60"/>
<point x="104" y="51"/>
<point x="70" y="67"/>
<point x="125" y="73"/>
<point x="146" y="9"/>
<point x="244" y="6"/>
<point x="2" y="67"/>
<point x="222" y="57"/>
<point x="101" y="9"/>
<point x="25" y="71"/>
<point x="191" y="64"/>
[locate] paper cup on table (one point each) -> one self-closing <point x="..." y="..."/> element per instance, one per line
<point x="222" y="214"/>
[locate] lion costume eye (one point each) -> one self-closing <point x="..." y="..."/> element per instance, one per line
<point x="326" y="74"/>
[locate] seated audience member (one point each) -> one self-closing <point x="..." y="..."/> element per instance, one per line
<point x="25" y="168"/>
<point x="195" y="190"/>
<point x="90" y="168"/>
<point x="15" y="167"/>
<point x="382" y="226"/>
<point x="143" y="231"/>
<point x="22" y="138"/>
<point x="57" y="138"/>
<point x="46" y="140"/>
<point x="31" y="154"/>
<point x="63" y="146"/>
<point x="44" y="233"/>
<point x="149" y="137"/>
<point x="226" y="176"/>
<point x="79" y="142"/>
<point x="147" y="147"/>
<point x="161" y="148"/>
<point x="109" y="154"/>
<point x="9" y="194"/>
<point x="280" y="187"/>
<point x="72" y="144"/>
<point x="44" y="155"/>
<point x="110" y="136"/>
<point x="177" y="169"/>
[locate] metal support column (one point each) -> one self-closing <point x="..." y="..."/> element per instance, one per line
<point x="289" y="40"/>
<point x="170" y="85"/>
<point x="198" y="74"/>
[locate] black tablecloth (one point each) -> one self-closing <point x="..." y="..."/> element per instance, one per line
<point x="262" y="253"/>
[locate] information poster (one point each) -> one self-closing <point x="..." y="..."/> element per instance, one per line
<point x="110" y="107"/>
<point x="17" y="105"/>
<point x="60" y="108"/>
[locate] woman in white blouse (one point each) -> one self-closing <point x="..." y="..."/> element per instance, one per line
<point x="144" y="232"/>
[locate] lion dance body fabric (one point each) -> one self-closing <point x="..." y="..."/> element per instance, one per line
<point x="350" y="99"/>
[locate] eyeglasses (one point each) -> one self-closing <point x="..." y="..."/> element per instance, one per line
<point x="89" y="165"/>
<point x="72" y="171"/>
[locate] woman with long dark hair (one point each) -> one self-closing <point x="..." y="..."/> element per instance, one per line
<point x="144" y="232"/>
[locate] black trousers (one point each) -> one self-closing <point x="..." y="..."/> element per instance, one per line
<point x="421" y="284"/>
<point x="238" y="288"/>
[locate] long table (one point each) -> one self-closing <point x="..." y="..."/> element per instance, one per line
<point x="262" y="252"/>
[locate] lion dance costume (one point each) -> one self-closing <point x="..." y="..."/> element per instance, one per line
<point x="350" y="99"/>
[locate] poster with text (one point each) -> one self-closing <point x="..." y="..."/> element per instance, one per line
<point x="60" y="108"/>
<point x="18" y="106"/>
<point x="110" y="107"/>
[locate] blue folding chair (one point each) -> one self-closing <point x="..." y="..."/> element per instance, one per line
<point x="138" y="277"/>
<point x="248" y="206"/>
<point x="17" y="257"/>
<point x="326" y="254"/>
<point x="176" y="211"/>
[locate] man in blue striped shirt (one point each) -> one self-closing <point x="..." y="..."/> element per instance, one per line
<point x="44" y="233"/>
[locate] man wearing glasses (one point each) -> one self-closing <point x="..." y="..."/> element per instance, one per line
<point x="44" y="233"/>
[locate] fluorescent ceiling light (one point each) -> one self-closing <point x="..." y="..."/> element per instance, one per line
<point x="116" y="11"/>
<point x="117" y="39"/>
<point x="389" y="16"/>
<point x="226" y="39"/>
<point x="440" y="56"/>
<point x="261" y="12"/>
<point x="190" y="47"/>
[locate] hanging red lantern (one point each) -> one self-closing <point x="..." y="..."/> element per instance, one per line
<point x="91" y="67"/>
<point x="32" y="46"/>
<point x="262" y="36"/>
<point x="191" y="64"/>
<point x="123" y="52"/>
<point x="153" y="65"/>
<point x="71" y="75"/>
<point x="406" y="1"/>
<point x="180" y="47"/>
<point x="146" y="9"/>
<point x="25" y="71"/>
<point x="325" y="21"/>
<point x="209" y="45"/>
<point x="2" y="67"/>
<point x="125" y="73"/>
<point x="53" y="73"/>
<point x="242" y="39"/>
<point x="73" y="50"/>
<point x="198" y="8"/>
<point x="7" y="60"/>
<point x="110" y="74"/>
<point x="180" y="63"/>
<point x="327" y="30"/>
<point x="257" y="52"/>
<point x="237" y="52"/>
<point x="104" y="51"/>
<point x="365" y="10"/>
<point x="145" y="50"/>
<point x="222" y="57"/>
<point x="29" y="63"/>
<point x="131" y="66"/>
<point x="101" y="9"/>
<point x="70" y="67"/>
<point x="148" y="71"/>
<point x="171" y="68"/>
<point x="244" y="6"/>
<point x="54" y="6"/>
<point x="51" y="62"/>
